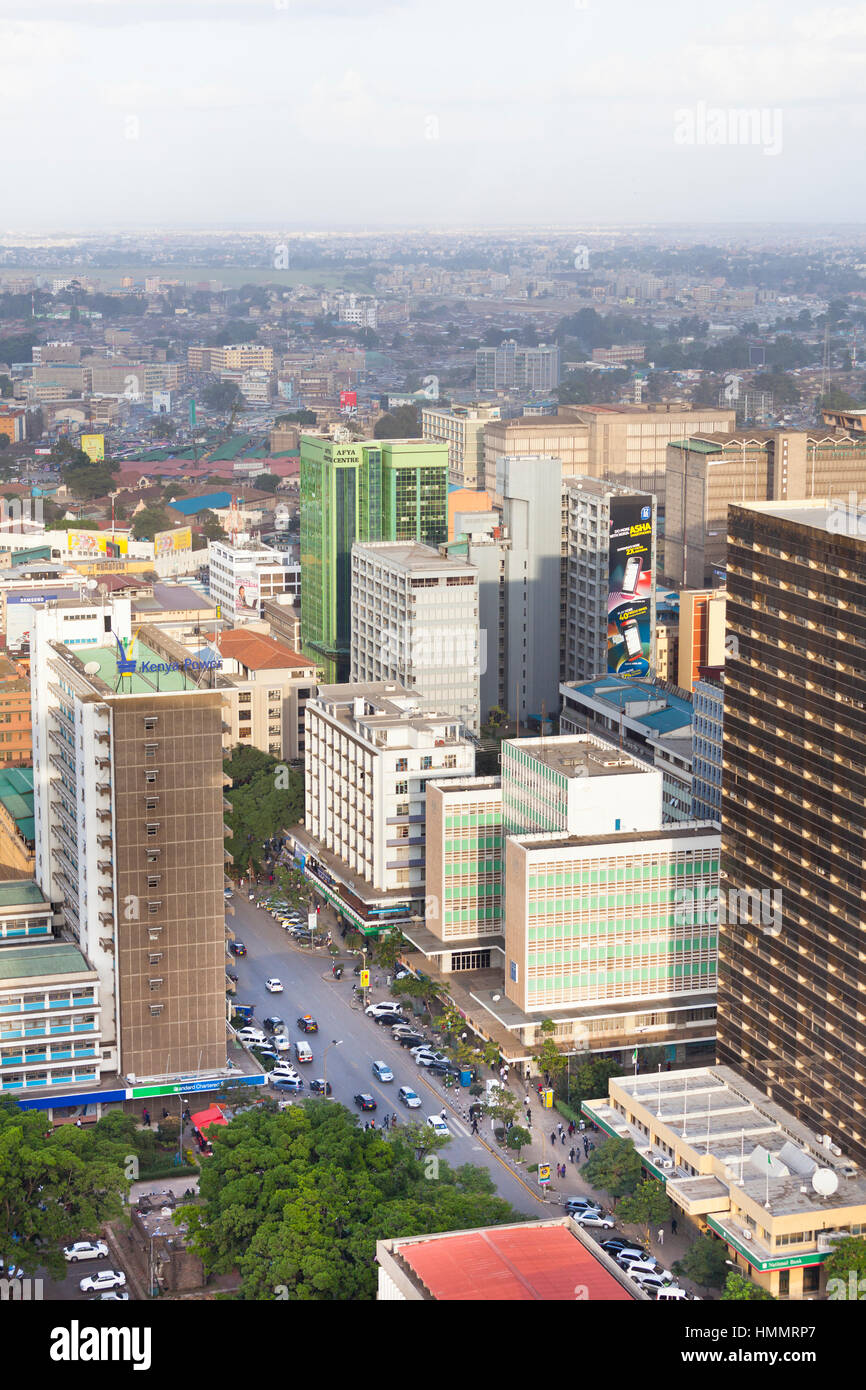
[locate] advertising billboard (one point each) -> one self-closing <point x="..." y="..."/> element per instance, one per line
<point x="93" y="446"/>
<point x="247" y="594"/>
<point x="170" y="542"/>
<point x="80" y="544"/>
<point x="630" y="598"/>
<point x="348" y="400"/>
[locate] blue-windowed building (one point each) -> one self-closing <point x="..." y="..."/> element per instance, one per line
<point x="709" y="705"/>
<point x="50" y="1035"/>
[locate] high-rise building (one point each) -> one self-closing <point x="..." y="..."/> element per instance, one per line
<point x="370" y="751"/>
<point x="594" y="553"/>
<point x="708" y="472"/>
<point x="462" y="428"/>
<point x="536" y="436"/>
<point x="531" y="490"/>
<point x="792" y="983"/>
<point x="707" y="724"/>
<point x="128" y="808"/>
<point x="243" y="574"/>
<point x="701" y="633"/>
<point x="513" y="367"/>
<point x="415" y="622"/>
<point x="374" y="490"/>
<point x="628" y="443"/>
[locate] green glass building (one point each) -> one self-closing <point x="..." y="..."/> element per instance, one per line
<point x="365" y="490"/>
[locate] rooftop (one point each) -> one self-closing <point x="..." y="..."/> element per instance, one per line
<point x="410" y="556"/>
<point x="678" y="830"/>
<point x="578" y="756"/>
<point x="257" y="652"/>
<point x="21" y="892"/>
<point x="151" y="673"/>
<point x="541" y="1262"/>
<point x="31" y="961"/>
<point x="16" y="796"/>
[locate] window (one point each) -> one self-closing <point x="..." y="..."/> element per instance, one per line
<point x="155" y="957"/>
<point x="150" y="778"/>
<point x="151" y="803"/>
<point x="150" y="750"/>
<point x="150" y="722"/>
<point x="153" y="856"/>
<point x="152" y="829"/>
<point x="156" y="1009"/>
<point x="156" y="983"/>
<point x="402" y="765"/>
<point x="153" y="908"/>
<point x="426" y="763"/>
<point x="401" y="789"/>
<point x="273" y="695"/>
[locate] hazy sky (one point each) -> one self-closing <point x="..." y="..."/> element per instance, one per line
<point x="362" y="113"/>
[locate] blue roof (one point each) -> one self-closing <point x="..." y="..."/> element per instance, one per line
<point x="664" y="721"/>
<point x="622" y="693"/>
<point x="191" y="506"/>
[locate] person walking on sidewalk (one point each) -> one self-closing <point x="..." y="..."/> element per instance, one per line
<point x="661" y="1235"/>
<point x="562" y="1136"/>
<point x="553" y="1136"/>
<point x="673" y="1225"/>
<point x="571" y="1154"/>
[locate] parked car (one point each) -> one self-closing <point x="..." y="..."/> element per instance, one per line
<point x="409" y="1098"/>
<point x="281" y="1042"/>
<point x="268" y="1052"/>
<point x="287" y="1083"/>
<point x="410" y="1039"/>
<point x="382" y="1071"/>
<point x="446" y="1068"/>
<point x="670" y="1292"/>
<point x="274" y="985"/>
<point x="383" y="1008"/>
<point x="652" y="1282"/>
<point x="365" y="1101"/>
<point x="628" y="1256"/>
<point x="112" y="1296"/>
<point x="237" y="948"/>
<point x="647" y="1264"/>
<point x="438" y="1125"/>
<point x="616" y="1244"/>
<point x="384" y="1020"/>
<point x="252" y="1035"/>
<point x="573" y="1204"/>
<point x="321" y="1087"/>
<point x="308" y="1024"/>
<point x="85" y="1250"/>
<point x="274" y="1024"/>
<point x="594" y="1218"/>
<point x="103" y="1279"/>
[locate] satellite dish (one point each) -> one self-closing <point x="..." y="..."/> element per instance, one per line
<point x="90" y="584"/>
<point x="91" y="668"/>
<point x="825" y="1181"/>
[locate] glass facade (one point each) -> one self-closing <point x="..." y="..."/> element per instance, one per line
<point x="791" y="1002"/>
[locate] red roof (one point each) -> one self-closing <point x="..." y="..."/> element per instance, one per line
<point x="543" y="1263"/>
<point x="257" y="652"/>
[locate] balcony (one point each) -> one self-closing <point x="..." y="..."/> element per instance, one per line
<point x="103" y="736"/>
<point x="103" y="762"/>
<point x="104" y="866"/>
<point x="104" y="788"/>
<point x="102" y="813"/>
<point x="107" y="919"/>
<point x="104" y="841"/>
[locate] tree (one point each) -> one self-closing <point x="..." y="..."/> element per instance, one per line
<point x="503" y="1105"/>
<point x="294" y="885"/>
<point x="388" y="950"/>
<point x="221" y="395"/>
<point x="268" y="801"/>
<point x="400" y="423"/>
<point x="163" y="427"/>
<point x="550" y="1059"/>
<point x="211" y="526"/>
<point x="266" y="482"/>
<point x="614" y="1167"/>
<point x="739" y="1289"/>
<point x="148" y="521"/>
<point x="297" y="417"/>
<point x="57" y="1185"/>
<point x="89" y="480"/>
<point x="5" y="386"/>
<point x="518" y="1138"/>
<point x="705" y="1263"/>
<point x="848" y="1255"/>
<point x="420" y="987"/>
<point x="647" y="1206"/>
<point x="295" y="1200"/>
<point x="587" y="1079"/>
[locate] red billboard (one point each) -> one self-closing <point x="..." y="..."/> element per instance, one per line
<point x="348" y="400"/>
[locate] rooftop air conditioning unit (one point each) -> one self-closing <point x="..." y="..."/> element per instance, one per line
<point x="747" y="1235"/>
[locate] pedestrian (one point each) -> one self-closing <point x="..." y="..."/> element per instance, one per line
<point x="528" y="1118"/>
<point x="661" y="1235"/>
<point x="474" y="1124"/>
<point x="164" y="1113"/>
<point x="562" y="1136"/>
<point x="673" y="1225"/>
<point x="385" y="1122"/>
<point x="571" y="1154"/>
<point x="443" y="1113"/>
<point x="553" y="1136"/>
<point x="393" y="1121"/>
<point x="559" y="1126"/>
<point x="78" y="1124"/>
<point x="372" y="1124"/>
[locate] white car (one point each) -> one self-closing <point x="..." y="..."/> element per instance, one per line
<point x="280" y="1042"/>
<point x="104" y="1279"/>
<point x="282" y="1071"/>
<point x="593" y="1218"/>
<point x="113" y="1296"/>
<point x="409" y="1098"/>
<point x="382" y="1071"/>
<point x="273" y="985"/>
<point x="438" y="1126"/>
<point x="252" y="1035"/>
<point x="390" y="1008"/>
<point x="661" y="1280"/>
<point x="85" y="1250"/>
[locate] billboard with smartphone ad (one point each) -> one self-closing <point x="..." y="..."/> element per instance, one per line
<point x="630" y="598"/>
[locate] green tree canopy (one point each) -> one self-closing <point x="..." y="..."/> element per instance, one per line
<point x="705" y="1263"/>
<point x="295" y="1200"/>
<point x="849" y="1254"/>
<point x="148" y="521"/>
<point x="400" y="423"/>
<point x="221" y="395"/>
<point x="649" y="1205"/>
<point x="211" y="526"/>
<point x="57" y="1185"/>
<point x="264" y="804"/>
<point x="614" y="1167"/>
<point x="739" y="1289"/>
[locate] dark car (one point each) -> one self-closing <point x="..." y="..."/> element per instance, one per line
<point x="237" y="948"/>
<point x="320" y="1087"/>
<point x="365" y="1101"/>
<point x="444" y="1068"/>
<point x="272" y="1024"/>
<point x="232" y="976"/>
<point x="411" y="1039"/>
<point x="308" y="1024"/>
<point x="617" y="1243"/>
<point x="390" y="1019"/>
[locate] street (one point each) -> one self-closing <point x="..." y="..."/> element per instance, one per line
<point x="311" y="989"/>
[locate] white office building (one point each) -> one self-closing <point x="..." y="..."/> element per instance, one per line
<point x="415" y="622"/>
<point x="244" y="574"/>
<point x="370" y="751"/>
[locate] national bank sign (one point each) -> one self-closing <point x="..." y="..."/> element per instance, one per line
<point x="128" y="665"/>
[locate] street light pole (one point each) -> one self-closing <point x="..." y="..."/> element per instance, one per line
<point x="335" y="1042"/>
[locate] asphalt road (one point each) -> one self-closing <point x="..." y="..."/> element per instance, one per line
<point x="309" y="988"/>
